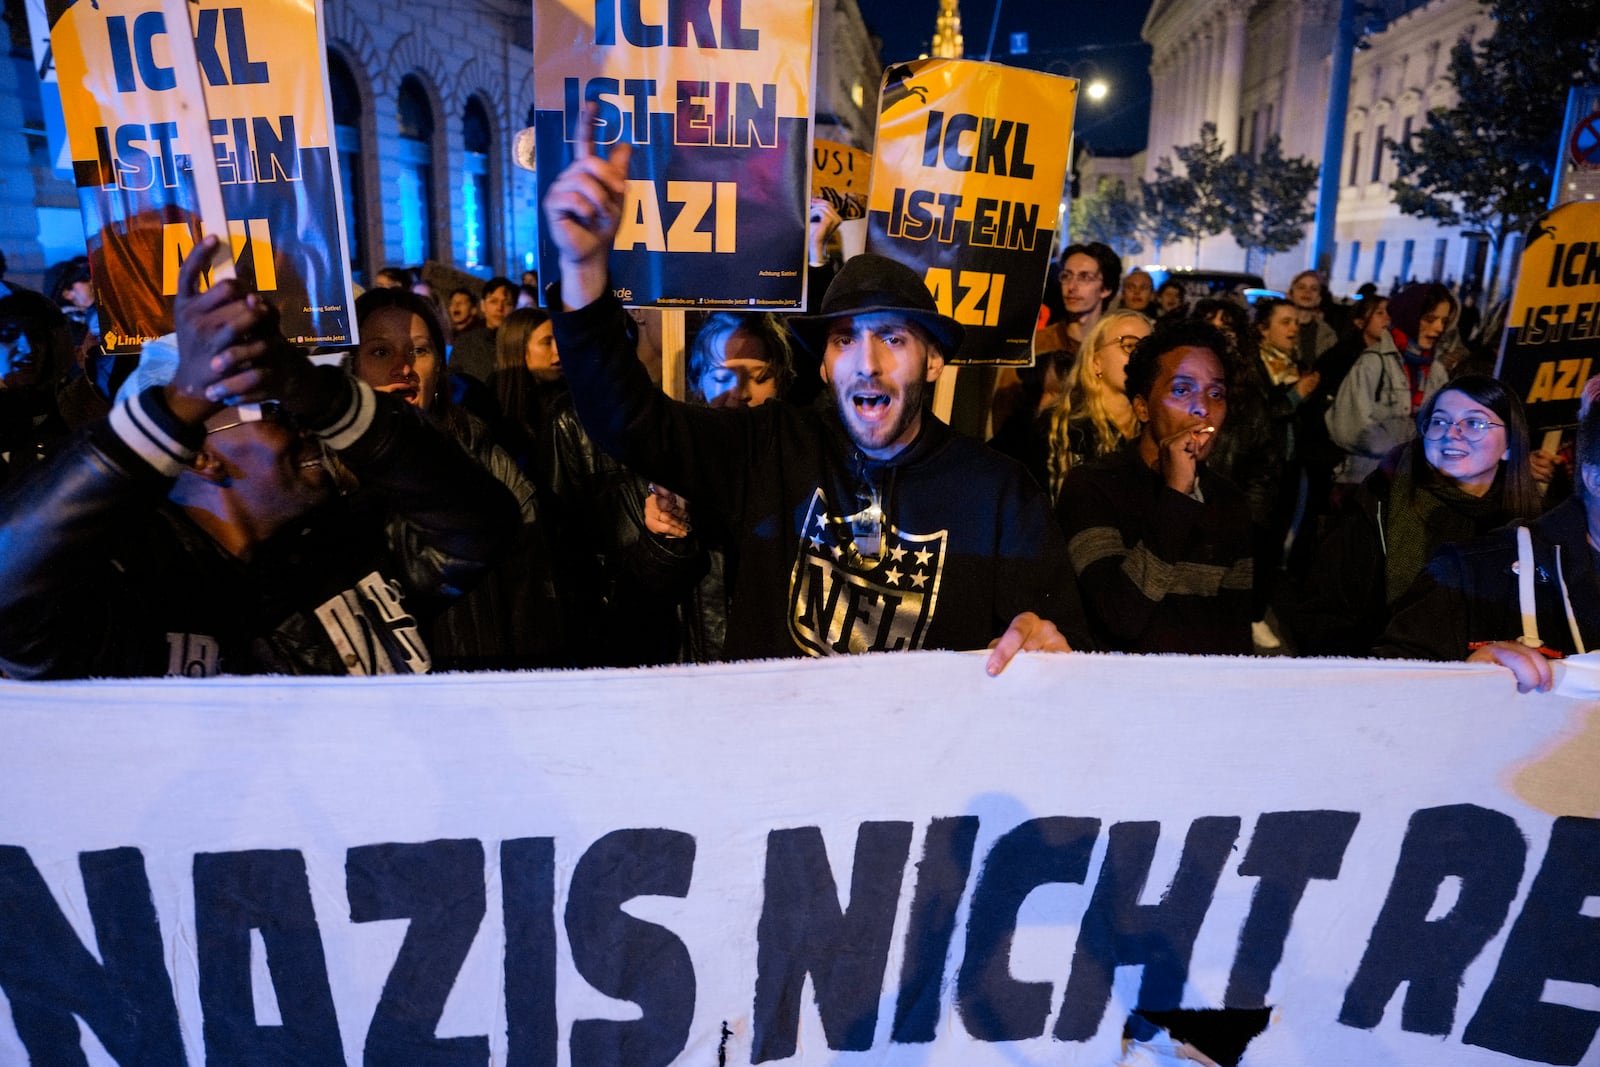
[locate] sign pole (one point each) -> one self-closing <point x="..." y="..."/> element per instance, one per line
<point x="194" y="130"/>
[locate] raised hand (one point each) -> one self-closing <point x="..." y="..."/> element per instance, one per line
<point x="1180" y="454"/>
<point x="221" y="333"/>
<point x="582" y="211"/>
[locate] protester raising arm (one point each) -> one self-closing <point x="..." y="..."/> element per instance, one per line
<point x="142" y="539"/>
<point x="859" y="493"/>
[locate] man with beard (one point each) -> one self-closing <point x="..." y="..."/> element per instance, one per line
<point x="197" y="531"/>
<point x="871" y="526"/>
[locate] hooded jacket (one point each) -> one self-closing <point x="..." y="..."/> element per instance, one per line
<point x="1372" y="414"/>
<point x="967" y="539"/>
<point x="1469" y="593"/>
<point x="1343" y="607"/>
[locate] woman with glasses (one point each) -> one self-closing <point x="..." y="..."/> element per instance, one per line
<point x="1094" y="416"/>
<point x="1469" y="473"/>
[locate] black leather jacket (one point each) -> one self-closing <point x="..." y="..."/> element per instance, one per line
<point x="101" y="576"/>
<point x="591" y="510"/>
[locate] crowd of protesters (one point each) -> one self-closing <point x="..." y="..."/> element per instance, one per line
<point x="486" y="484"/>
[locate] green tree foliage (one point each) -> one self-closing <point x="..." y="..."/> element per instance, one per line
<point x="1266" y="199"/>
<point x="1165" y="205"/>
<point x="1487" y="162"/>
<point x="1108" y="215"/>
<point x="1209" y="175"/>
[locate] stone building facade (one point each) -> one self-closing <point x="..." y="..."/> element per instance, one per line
<point x="1261" y="67"/>
<point x="427" y="98"/>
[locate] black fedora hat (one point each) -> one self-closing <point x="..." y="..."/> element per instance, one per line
<point x="870" y="283"/>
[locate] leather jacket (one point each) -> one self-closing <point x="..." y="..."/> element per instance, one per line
<point x="101" y="575"/>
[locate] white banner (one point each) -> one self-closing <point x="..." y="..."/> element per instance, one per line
<point x="867" y="860"/>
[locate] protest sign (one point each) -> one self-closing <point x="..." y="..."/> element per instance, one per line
<point x="968" y="167"/>
<point x="839" y="175"/>
<point x="1353" y="863"/>
<point x="716" y="101"/>
<point x="266" y="92"/>
<point x="1552" y="340"/>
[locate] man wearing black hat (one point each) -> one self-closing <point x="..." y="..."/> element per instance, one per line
<point x="872" y="528"/>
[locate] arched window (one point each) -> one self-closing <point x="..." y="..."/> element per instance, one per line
<point x="346" y="100"/>
<point x="415" y="173"/>
<point x="476" y="204"/>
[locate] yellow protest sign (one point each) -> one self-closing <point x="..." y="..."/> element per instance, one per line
<point x="839" y="175"/>
<point x="716" y="100"/>
<point x="968" y="168"/>
<point x="265" y="86"/>
<point x="1552" y="340"/>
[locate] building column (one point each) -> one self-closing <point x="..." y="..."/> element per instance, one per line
<point x="1163" y="92"/>
<point x="1193" y="86"/>
<point x="1207" y="97"/>
<point x="1230" y="74"/>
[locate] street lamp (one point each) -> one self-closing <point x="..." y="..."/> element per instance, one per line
<point x="1097" y="90"/>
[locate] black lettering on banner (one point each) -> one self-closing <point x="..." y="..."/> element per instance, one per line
<point x="1118" y="931"/>
<point x="141" y="53"/>
<point x="912" y="215"/>
<point x="995" y="1006"/>
<point x="265" y="890"/>
<point x="803" y="931"/>
<point x="1551" y="939"/>
<point x="941" y="144"/>
<point x="49" y="977"/>
<point x="528" y="890"/>
<point x="1485" y="851"/>
<point x="941" y="881"/>
<point x="1288" y="849"/>
<point x="1558" y="379"/>
<point x="682" y="17"/>
<point x="628" y="958"/>
<point x="438" y="885"/>
<point x="1575" y="264"/>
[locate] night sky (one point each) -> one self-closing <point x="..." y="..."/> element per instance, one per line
<point x="1081" y="38"/>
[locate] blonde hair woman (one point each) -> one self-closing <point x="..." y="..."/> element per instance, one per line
<point x="1095" y="417"/>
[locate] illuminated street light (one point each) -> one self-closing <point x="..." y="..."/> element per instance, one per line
<point x="1098" y="90"/>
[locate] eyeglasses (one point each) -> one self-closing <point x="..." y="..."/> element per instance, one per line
<point x="1473" y="428"/>
<point x="1085" y="276"/>
<point x="1127" y="342"/>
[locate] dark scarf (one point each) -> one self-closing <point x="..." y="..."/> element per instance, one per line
<point x="1426" y="511"/>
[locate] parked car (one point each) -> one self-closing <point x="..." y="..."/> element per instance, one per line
<point x="1198" y="284"/>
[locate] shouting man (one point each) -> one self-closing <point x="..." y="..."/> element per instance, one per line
<point x="873" y="527"/>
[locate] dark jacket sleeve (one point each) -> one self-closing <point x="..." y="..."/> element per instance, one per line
<point x="1048" y="586"/>
<point x="447" y="516"/>
<point x="60" y="610"/>
<point x="1431" y="619"/>
<point x="700" y="452"/>
<point x="1341" y="609"/>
